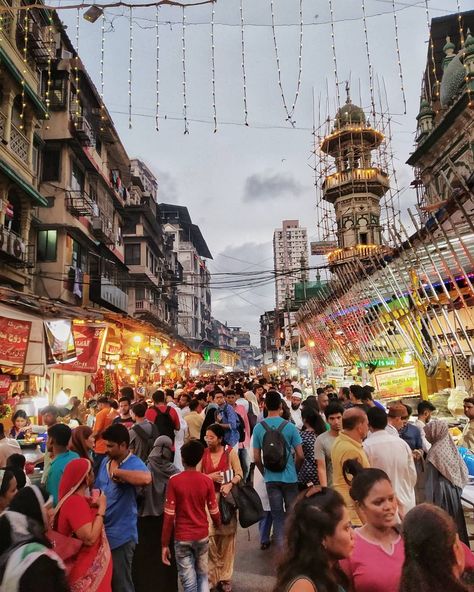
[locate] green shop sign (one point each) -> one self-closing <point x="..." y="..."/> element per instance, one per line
<point x="378" y="363"/>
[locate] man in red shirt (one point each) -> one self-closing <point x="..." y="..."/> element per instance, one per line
<point x="187" y="496"/>
<point x="169" y="420"/>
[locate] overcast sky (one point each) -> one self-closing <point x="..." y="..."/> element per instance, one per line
<point x="241" y="182"/>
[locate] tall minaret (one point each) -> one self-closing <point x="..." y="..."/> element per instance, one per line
<point x="355" y="189"/>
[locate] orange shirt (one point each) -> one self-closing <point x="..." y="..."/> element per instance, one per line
<point x="102" y="421"/>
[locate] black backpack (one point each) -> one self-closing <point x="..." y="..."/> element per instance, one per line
<point x="248" y="503"/>
<point x="241" y="428"/>
<point x="274" y="447"/>
<point x="148" y="440"/>
<point x="164" y="423"/>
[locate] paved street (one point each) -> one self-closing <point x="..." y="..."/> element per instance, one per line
<point x="254" y="569"/>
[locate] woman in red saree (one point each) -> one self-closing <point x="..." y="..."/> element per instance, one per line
<point x="78" y="515"/>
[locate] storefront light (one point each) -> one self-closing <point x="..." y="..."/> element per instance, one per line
<point x="408" y="357"/>
<point x="128" y="371"/>
<point x="194" y="372"/>
<point x="40" y="402"/>
<point x="119" y="366"/>
<point x="137" y="338"/>
<point x="61" y="398"/>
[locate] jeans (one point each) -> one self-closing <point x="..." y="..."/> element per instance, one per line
<point x="244" y="458"/>
<point x="122" y="568"/>
<point x="281" y="497"/>
<point x="265" y="528"/>
<point x="191" y="559"/>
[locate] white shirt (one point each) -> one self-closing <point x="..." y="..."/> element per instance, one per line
<point x="8" y="446"/>
<point x="394" y="456"/>
<point x="421" y="424"/>
<point x="392" y="431"/>
<point x="296" y="417"/>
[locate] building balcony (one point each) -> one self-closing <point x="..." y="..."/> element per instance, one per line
<point x="372" y="180"/>
<point x="79" y="203"/>
<point x="147" y="308"/>
<point x="82" y="129"/>
<point x="14" y="251"/>
<point x="106" y="293"/>
<point x="102" y="229"/>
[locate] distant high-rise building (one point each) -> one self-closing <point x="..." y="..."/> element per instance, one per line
<point x="290" y="253"/>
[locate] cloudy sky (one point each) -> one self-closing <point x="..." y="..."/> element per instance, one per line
<point x="240" y="182"/>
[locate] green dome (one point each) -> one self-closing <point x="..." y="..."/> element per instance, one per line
<point x="452" y="81"/>
<point x="349" y="114"/>
<point x="449" y="45"/>
<point x="425" y="109"/>
<point x="469" y="43"/>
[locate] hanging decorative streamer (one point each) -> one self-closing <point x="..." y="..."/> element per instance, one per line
<point x="25" y="61"/>
<point x="213" y="67"/>
<point x="1" y="27"/>
<point x="369" y="62"/>
<point x="157" y="37"/>
<point x="76" y="65"/>
<point x="102" y="55"/>
<point x="461" y="38"/>
<point x="461" y="32"/>
<point x="244" y="75"/>
<point x="334" y="58"/>
<point x="289" y="112"/>
<point x="185" y="104"/>
<point x="130" y="60"/>
<point x="432" y="52"/>
<point x="399" y="61"/>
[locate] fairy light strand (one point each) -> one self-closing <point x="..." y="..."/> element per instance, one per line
<point x="289" y="112"/>
<point x="102" y="57"/>
<point x="25" y="62"/>
<point x="432" y="53"/>
<point x="130" y="62"/>
<point x="462" y="40"/>
<point x="399" y="61"/>
<point x="369" y="62"/>
<point x="185" y="103"/>
<point x="76" y="65"/>
<point x="244" y="74"/>
<point x="157" y="77"/>
<point x="213" y="68"/>
<point x="47" y="98"/>
<point x="334" y="56"/>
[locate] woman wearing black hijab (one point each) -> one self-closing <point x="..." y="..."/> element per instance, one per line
<point x="26" y="559"/>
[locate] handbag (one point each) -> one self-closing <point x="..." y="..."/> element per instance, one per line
<point x="248" y="503"/>
<point x="227" y="508"/>
<point x="66" y="547"/>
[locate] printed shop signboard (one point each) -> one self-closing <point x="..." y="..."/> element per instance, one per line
<point x="89" y="341"/>
<point x="402" y="382"/>
<point x="14" y="339"/>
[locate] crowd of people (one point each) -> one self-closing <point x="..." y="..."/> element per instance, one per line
<point x="139" y="494"/>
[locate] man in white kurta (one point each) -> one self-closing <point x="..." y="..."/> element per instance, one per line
<point x="393" y="455"/>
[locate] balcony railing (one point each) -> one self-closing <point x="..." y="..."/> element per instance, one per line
<point x="102" y="229"/>
<point x="79" y="203"/>
<point x="145" y="306"/>
<point x="19" y="145"/>
<point x="14" y="250"/>
<point x="356" y="176"/>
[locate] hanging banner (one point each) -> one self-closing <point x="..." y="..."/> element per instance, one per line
<point x="89" y="341"/>
<point x="402" y="382"/>
<point x="14" y="339"/>
<point x="5" y="382"/>
<point x="60" y="346"/>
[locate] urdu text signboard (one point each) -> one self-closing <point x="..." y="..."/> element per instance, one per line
<point x="402" y="382"/>
<point x="89" y="341"/>
<point x="14" y="339"/>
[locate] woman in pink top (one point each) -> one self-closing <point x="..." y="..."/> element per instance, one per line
<point x="376" y="562"/>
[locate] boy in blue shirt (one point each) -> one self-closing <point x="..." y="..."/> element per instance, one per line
<point x="57" y="443"/>
<point x="118" y="477"/>
<point x="282" y="486"/>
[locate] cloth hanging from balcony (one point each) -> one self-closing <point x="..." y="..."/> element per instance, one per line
<point x="77" y="288"/>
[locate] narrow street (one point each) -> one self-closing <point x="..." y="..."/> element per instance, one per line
<point x="254" y="569"/>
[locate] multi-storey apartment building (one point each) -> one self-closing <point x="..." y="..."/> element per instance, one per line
<point x="222" y="335"/>
<point x="84" y="178"/>
<point x="153" y="266"/>
<point x="290" y="252"/>
<point x="23" y="57"/>
<point x="194" y="294"/>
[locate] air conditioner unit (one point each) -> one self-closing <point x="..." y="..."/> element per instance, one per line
<point x="16" y="247"/>
<point x="66" y="55"/>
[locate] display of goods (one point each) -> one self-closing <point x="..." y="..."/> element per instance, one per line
<point x="455" y="401"/>
<point x="5" y="411"/>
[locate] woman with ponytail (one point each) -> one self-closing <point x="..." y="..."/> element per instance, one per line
<point x="319" y="534"/>
<point x="435" y="558"/>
